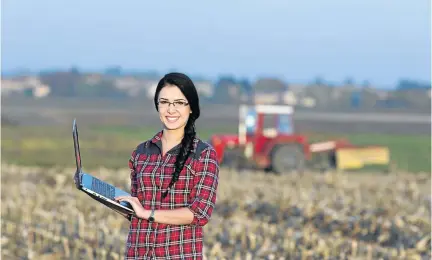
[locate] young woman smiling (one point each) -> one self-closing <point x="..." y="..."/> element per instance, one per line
<point x="174" y="179"/>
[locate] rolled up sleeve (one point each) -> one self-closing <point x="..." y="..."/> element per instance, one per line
<point x="203" y="194"/>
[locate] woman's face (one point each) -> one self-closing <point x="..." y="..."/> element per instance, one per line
<point x="174" y="109"/>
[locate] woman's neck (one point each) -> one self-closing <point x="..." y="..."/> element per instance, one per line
<point x="172" y="136"/>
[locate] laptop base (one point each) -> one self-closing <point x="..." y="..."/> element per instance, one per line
<point x="109" y="203"/>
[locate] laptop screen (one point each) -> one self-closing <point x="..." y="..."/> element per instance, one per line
<point x="76" y="146"/>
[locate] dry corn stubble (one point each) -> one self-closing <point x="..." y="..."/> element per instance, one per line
<point x="258" y="216"/>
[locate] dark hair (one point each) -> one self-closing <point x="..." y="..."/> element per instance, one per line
<point x="187" y="87"/>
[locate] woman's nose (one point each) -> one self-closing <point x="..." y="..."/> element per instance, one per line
<point x="171" y="109"/>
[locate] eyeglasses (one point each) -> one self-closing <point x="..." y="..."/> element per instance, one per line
<point x="176" y="104"/>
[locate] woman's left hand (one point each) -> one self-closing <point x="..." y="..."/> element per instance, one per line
<point x="135" y="203"/>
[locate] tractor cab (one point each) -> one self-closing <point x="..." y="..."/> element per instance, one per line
<point x="266" y="120"/>
<point x="267" y="130"/>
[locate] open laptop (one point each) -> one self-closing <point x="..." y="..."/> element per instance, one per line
<point x="97" y="189"/>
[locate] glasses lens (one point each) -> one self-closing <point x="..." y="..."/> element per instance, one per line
<point x="163" y="103"/>
<point x="179" y="103"/>
<point x="176" y="104"/>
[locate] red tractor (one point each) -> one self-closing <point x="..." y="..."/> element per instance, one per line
<point x="266" y="140"/>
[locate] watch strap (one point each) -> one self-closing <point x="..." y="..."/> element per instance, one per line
<point x="151" y="217"/>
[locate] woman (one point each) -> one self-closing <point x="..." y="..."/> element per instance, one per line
<point x="174" y="178"/>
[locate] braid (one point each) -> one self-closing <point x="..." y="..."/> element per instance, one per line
<point x="185" y="150"/>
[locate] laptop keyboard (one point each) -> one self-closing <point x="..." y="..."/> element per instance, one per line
<point x="103" y="188"/>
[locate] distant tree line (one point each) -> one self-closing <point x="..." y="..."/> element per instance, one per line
<point x="72" y="84"/>
<point x="405" y="84"/>
<point x="228" y="88"/>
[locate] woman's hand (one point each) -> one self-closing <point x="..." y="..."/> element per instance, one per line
<point x="136" y="205"/>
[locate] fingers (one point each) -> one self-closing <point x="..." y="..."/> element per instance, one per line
<point x="131" y="200"/>
<point x="124" y="198"/>
<point x="121" y="198"/>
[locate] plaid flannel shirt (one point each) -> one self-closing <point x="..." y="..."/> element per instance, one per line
<point x="196" y="189"/>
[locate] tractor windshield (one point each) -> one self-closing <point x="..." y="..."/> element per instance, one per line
<point x="285" y="124"/>
<point x="251" y="121"/>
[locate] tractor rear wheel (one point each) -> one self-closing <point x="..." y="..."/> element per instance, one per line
<point x="287" y="158"/>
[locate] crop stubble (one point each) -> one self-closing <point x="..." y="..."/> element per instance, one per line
<point x="327" y="216"/>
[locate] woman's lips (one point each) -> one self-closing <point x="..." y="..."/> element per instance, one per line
<point x="172" y="119"/>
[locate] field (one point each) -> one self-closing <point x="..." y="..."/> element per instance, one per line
<point x="110" y="146"/>
<point x="328" y="216"/>
<point x="315" y="216"/>
<point x="109" y="130"/>
<point x="351" y="215"/>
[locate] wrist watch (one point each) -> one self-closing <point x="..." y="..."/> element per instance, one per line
<point x="151" y="218"/>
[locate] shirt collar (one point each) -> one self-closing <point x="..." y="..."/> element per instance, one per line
<point x="157" y="140"/>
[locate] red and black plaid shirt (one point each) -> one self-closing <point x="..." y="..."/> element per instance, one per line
<point x="196" y="189"/>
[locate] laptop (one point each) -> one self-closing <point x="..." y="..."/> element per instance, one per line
<point x="97" y="189"/>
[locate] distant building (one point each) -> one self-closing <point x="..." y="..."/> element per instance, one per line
<point x="133" y="86"/>
<point x="269" y="91"/>
<point x="204" y="88"/>
<point x="28" y="86"/>
<point x="93" y="79"/>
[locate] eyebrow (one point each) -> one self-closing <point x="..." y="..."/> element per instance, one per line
<point x="178" y="99"/>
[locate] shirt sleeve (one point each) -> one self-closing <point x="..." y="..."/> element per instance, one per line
<point x="203" y="194"/>
<point x="132" y="174"/>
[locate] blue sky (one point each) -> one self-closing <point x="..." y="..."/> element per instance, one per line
<point x="376" y="40"/>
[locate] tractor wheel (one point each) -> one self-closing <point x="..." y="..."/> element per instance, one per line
<point x="287" y="158"/>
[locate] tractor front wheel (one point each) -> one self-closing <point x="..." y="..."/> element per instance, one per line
<point x="287" y="158"/>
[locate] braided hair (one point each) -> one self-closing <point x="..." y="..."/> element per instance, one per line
<point x="186" y="86"/>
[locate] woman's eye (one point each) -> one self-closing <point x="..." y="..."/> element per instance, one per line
<point x="179" y="103"/>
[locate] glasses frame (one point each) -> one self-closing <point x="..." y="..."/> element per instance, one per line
<point x="173" y="103"/>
